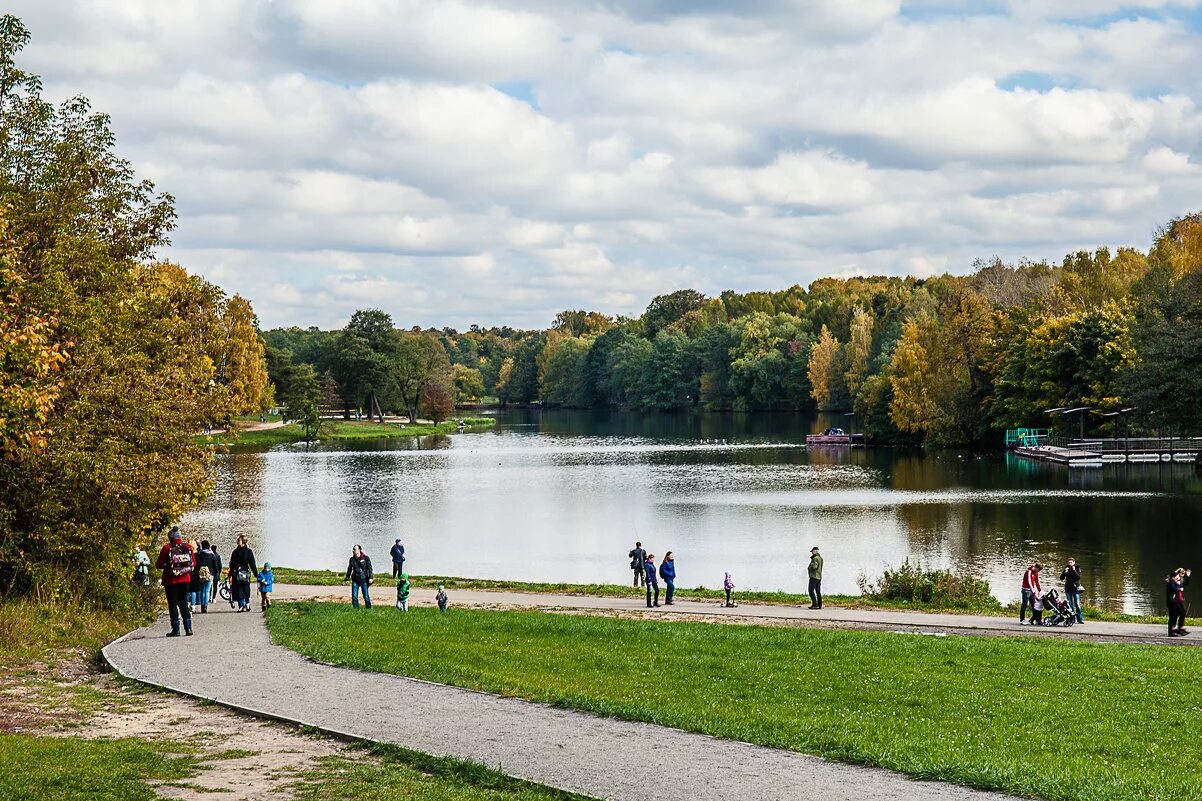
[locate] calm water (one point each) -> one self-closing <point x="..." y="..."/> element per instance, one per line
<point x="564" y="495"/>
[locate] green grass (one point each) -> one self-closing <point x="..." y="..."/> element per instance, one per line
<point x="1056" y="719"/>
<point x="332" y="578"/>
<point x="342" y="430"/>
<point x="396" y="773"/>
<point x="69" y="769"/>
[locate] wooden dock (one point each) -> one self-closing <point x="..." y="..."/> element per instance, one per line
<point x="1096" y="452"/>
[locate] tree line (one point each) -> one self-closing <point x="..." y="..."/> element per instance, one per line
<point x="947" y="360"/>
<point x="110" y="361"/>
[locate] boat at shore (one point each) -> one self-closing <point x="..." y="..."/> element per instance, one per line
<point x="835" y="437"/>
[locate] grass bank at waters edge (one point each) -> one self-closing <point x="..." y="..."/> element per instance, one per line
<point x="1054" y="719"/>
<point x="343" y="430"/>
<point x="330" y="578"/>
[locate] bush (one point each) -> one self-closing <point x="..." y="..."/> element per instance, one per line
<point x="939" y="588"/>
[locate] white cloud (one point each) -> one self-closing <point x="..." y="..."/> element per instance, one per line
<point x="455" y="162"/>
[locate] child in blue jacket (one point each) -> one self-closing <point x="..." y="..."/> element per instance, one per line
<point x="266" y="582"/>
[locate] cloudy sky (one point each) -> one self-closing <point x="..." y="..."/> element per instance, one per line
<point x="457" y="162"/>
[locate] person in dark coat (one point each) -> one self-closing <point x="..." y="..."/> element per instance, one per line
<point x="177" y="561"/>
<point x="637" y="557"/>
<point x="242" y="572"/>
<point x="667" y="571"/>
<point x="205" y="558"/>
<point x="1175" y="586"/>
<point x="1071" y="576"/>
<point x="359" y="574"/>
<point x="650" y="580"/>
<point x="398" y="559"/>
<point x="216" y="574"/>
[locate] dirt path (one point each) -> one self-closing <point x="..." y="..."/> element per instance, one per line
<point x="556" y="747"/>
<point x="242" y="758"/>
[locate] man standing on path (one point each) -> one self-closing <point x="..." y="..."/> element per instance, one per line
<point x="650" y="580"/>
<point x="1031" y="590"/>
<point x="177" y="561"/>
<point x="638" y="558"/>
<point x="1071" y="576"/>
<point x="815" y="571"/>
<point x="398" y="558"/>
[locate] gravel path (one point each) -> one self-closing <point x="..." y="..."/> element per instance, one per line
<point x="232" y="660"/>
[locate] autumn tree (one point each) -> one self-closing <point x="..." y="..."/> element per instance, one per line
<point x="859" y="347"/>
<point x="822" y="356"/>
<point x="436" y="401"/>
<point x="241" y="360"/>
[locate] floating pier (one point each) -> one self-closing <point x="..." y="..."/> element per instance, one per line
<point x="1097" y="452"/>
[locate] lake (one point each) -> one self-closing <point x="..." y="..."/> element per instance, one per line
<point x="562" y="496"/>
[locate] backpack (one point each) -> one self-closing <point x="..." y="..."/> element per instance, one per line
<point x="180" y="559"/>
<point x="205" y="574"/>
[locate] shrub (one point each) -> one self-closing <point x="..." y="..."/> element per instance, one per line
<point x="939" y="588"/>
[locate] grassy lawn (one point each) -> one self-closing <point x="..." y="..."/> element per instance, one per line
<point x="331" y="578"/>
<point x="343" y="430"/>
<point x="61" y="769"/>
<point x="1053" y="719"/>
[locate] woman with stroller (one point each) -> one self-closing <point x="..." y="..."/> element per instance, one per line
<point x="1175" y="584"/>
<point x="242" y="571"/>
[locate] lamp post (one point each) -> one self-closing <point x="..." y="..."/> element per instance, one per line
<point x="1120" y="414"/>
<point x="1079" y="410"/>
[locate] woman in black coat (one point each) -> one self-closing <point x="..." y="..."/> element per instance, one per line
<point x="242" y="572"/>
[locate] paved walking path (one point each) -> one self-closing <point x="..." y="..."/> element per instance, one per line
<point x="232" y="660"/>
<point x="828" y="616"/>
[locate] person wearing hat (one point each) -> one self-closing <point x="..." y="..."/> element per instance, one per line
<point x="266" y="583"/>
<point x="398" y="558"/>
<point x="177" y="561"/>
<point x="815" y="572"/>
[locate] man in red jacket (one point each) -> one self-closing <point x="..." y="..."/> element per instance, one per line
<point x="177" y="561"/>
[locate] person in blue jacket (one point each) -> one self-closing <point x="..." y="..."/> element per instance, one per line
<point x="652" y="582"/>
<point x="398" y="558"/>
<point x="667" y="571"/>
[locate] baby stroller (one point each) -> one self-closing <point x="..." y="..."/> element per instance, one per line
<point x="1056" y="610"/>
<point x="223" y="589"/>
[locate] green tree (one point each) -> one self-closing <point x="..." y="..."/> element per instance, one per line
<point x="468" y="384"/>
<point x="303" y="400"/>
<point x="858" y="350"/>
<point x="415" y="362"/>
<point x="667" y="309"/>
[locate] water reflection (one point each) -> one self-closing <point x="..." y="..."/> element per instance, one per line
<point x="562" y="496"/>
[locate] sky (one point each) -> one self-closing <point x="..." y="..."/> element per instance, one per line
<point x="455" y="163"/>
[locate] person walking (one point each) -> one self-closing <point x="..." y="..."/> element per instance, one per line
<point x="441" y="597"/>
<point x="649" y="579"/>
<point x="1032" y="589"/>
<point x="194" y="582"/>
<point x="667" y="571"/>
<point x="216" y="573"/>
<point x="359" y="574"/>
<point x="638" y="557"/>
<point x="1175" y="585"/>
<point x="1071" y="576"/>
<point x="398" y="558"/>
<point x="141" y="567"/>
<point x="177" y="562"/>
<point x="242" y="571"/>
<point x="266" y="584"/>
<point x="728" y="584"/>
<point x="815" y="574"/>
<point x="206" y="571"/>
